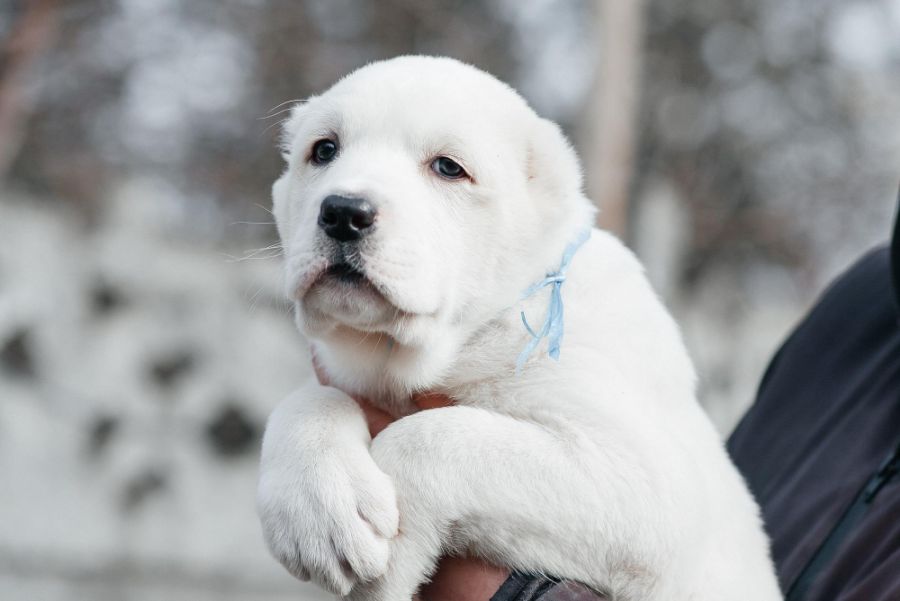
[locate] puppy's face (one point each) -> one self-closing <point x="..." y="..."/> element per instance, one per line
<point x="418" y="194"/>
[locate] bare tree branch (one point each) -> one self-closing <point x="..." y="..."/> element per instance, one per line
<point x="612" y="111"/>
<point x="31" y="36"/>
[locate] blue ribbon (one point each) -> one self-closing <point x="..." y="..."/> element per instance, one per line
<point x="553" y="322"/>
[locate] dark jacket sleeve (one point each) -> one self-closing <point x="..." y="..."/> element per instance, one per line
<point x="525" y="587"/>
<point x="827" y="416"/>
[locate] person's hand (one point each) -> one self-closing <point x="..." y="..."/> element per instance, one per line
<point x="456" y="578"/>
<point x="463" y="579"/>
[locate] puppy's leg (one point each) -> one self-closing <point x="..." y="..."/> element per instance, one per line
<point x="519" y="493"/>
<point x="326" y="509"/>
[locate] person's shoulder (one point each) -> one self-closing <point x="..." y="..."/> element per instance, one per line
<point x="853" y="318"/>
<point x="859" y="297"/>
<point x="870" y="275"/>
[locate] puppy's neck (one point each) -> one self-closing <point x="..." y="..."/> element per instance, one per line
<point x="485" y="336"/>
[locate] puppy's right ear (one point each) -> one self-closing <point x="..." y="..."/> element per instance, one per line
<point x="553" y="167"/>
<point x="291" y="126"/>
<point x="554" y="176"/>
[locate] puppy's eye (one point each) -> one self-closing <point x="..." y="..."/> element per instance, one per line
<point x="448" y="168"/>
<point x="323" y="151"/>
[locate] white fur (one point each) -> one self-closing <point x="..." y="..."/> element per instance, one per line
<point x="600" y="468"/>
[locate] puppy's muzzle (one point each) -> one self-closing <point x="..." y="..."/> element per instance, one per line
<point x="346" y="219"/>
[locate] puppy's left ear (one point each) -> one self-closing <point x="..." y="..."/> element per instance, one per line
<point x="291" y="126"/>
<point x="281" y="188"/>
<point x="553" y="167"/>
<point x="281" y="203"/>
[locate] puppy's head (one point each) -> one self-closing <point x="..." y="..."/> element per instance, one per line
<point x="421" y="196"/>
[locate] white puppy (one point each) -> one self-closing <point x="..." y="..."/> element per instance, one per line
<point x="421" y="200"/>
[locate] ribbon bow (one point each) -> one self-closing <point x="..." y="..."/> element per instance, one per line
<point x="553" y="322"/>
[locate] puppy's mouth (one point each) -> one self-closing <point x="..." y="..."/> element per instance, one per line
<point x="342" y="292"/>
<point x="345" y="273"/>
<point x="346" y="280"/>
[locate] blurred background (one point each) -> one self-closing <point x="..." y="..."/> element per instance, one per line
<point x="748" y="150"/>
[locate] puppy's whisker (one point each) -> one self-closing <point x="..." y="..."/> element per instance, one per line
<point x="281" y="112"/>
<point x="266" y="209"/>
<point x="249" y="254"/>
<point x="256" y="255"/>
<point x="281" y="104"/>
<point x="376" y="349"/>
<point x="368" y="333"/>
<point x="242" y="259"/>
<point x="254" y="298"/>
<point x="275" y="246"/>
<point x="276" y="124"/>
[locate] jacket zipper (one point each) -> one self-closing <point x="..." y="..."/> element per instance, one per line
<point x="886" y="472"/>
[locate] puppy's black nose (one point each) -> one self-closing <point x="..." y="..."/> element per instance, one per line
<point x="346" y="219"/>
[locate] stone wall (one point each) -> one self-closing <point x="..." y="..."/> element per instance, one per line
<point x="137" y="366"/>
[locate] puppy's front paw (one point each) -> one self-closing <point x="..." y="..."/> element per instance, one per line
<point x="328" y="516"/>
